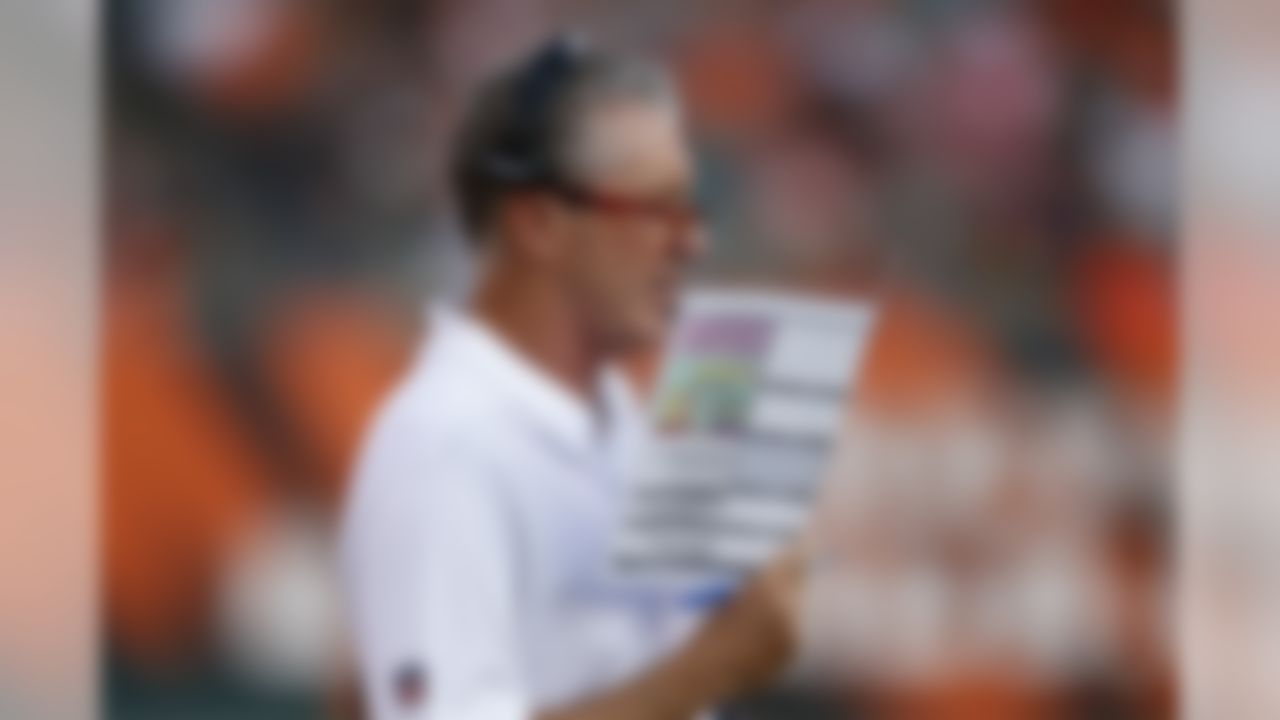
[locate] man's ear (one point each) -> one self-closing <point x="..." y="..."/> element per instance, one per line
<point x="534" y="225"/>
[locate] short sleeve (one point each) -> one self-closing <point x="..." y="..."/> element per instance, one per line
<point x="430" y="567"/>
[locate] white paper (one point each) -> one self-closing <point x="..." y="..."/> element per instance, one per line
<point x="750" y="401"/>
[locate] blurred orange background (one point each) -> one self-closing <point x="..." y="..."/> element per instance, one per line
<point x="999" y="178"/>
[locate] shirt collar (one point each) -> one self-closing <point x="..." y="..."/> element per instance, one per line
<point x="552" y="406"/>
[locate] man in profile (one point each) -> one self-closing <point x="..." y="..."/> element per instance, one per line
<point x="476" y="533"/>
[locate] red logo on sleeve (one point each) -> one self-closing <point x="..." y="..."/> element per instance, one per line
<point x="410" y="686"/>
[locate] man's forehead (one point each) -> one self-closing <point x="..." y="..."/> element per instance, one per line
<point x="633" y="144"/>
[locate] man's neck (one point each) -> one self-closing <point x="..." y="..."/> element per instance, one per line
<point x="540" y="325"/>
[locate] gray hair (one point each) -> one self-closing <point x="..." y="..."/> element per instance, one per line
<point x="525" y="126"/>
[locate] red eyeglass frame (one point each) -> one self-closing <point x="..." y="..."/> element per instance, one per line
<point x="682" y="217"/>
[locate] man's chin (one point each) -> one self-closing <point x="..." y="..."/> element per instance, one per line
<point x="643" y="334"/>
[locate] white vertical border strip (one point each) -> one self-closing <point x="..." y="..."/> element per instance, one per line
<point x="48" y="358"/>
<point x="1228" y="576"/>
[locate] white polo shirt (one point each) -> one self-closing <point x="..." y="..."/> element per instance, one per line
<point x="476" y="535"/>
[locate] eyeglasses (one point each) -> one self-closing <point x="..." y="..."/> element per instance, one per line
<point x="679" y="216"/>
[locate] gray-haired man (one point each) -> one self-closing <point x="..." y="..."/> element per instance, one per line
<point x="476" y="533"/>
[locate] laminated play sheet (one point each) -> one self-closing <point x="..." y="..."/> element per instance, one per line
<point x="749" y="404"/>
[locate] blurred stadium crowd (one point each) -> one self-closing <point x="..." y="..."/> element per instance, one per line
<point x="999" y="176"/>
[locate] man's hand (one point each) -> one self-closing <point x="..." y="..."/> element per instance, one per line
<point x="741" y="648"/>
<point x="754" y="635"/>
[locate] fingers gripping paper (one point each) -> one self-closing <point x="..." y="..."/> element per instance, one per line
<point x="747" y="411"/>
